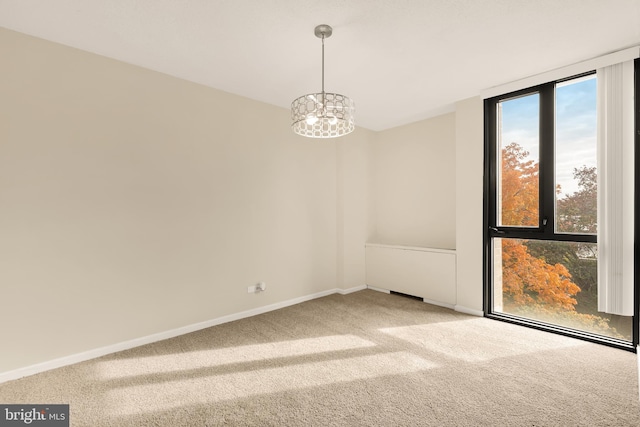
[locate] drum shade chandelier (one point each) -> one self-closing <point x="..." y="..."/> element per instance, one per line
<point x="323" y="114"/>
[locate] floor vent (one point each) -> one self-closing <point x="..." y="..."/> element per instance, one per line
<point x="407" y="295"/>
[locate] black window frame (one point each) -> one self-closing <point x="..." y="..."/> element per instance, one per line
<point x="546" y="229"/>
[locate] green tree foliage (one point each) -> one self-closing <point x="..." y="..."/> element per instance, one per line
<point x="577" y="212"/>
<point x="540" y="279"/>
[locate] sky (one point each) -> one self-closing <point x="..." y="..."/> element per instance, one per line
<point x="575" y="128"/>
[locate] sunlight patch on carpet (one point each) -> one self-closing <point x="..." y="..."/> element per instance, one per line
<point x="478" y="340"/>
<point x="145" y="398"/>
<point x="147" y="365"/>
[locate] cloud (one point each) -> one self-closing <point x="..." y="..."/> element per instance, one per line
<point x="575" y="127"/>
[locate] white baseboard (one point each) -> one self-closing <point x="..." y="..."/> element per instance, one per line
<point x="426" y="300"/>
<point x="126" y="345"/>
<point x="466" y="310"/>
<point x="439" y="304"/>
<point x="373" y="288"/>
<point x="351" y="290"/>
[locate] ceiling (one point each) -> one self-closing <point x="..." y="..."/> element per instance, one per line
<point x="400" y="60"/>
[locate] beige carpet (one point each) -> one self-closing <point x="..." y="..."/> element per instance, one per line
<point x="366" y="358"/>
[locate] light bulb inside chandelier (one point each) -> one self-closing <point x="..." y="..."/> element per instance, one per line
<point x="323" y="114"/>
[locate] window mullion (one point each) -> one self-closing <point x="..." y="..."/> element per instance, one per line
<point x="547" y="160"/>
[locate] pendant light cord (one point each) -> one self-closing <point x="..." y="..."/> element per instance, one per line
<point x="323" y="68"/>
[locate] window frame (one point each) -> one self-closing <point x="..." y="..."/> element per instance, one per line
<point x="546" y="189"/>
<point x="546" y="230"/>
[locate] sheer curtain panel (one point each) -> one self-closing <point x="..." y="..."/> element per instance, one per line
<point x="616" y="188"/>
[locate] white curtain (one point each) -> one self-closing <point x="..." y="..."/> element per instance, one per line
<point x="615" y="188"/>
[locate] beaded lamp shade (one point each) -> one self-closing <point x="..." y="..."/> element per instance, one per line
<point x="323" y="114"/>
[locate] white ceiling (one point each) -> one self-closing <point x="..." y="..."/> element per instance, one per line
<point x="399" y="60"/>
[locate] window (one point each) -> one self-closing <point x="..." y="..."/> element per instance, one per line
<point x="541" y="194"/>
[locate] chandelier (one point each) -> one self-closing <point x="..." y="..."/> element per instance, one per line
<point x="323" y="114"/>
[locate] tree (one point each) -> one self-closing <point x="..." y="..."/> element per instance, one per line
<point x="539" y="278"/>
<point x="519" y="187"/>
<point x="526" y="279"/>
<point x="577" y="212"/>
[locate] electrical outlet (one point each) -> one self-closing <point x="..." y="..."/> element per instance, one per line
<point x="254" y="289"/>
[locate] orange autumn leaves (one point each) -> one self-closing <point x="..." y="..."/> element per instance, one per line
<point x="527" y="280"/>
<point x="519" y="187"/>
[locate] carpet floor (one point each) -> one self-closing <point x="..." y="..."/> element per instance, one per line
<point x="363" y="359"/>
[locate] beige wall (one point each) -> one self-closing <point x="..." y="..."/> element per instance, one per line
<point x="427" y="190"/>
<point x="355" y="199"/>
<point x="469" y="202"/>
<point x="414" y="184"/>
<point x="133" y="203"/>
